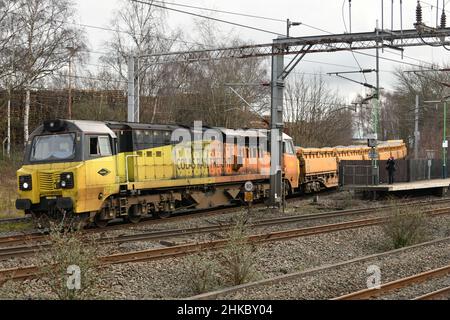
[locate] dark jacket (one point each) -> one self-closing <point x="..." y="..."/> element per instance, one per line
<point x="390" y="165"/>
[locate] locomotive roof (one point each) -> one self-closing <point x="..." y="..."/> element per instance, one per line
<point x="381" y="144"/>
<point x="139" y="126"/>
<point x="242" y="132"/>
<point x="92" y="127"/>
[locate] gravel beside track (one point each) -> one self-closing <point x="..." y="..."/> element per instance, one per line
<point x="168" y="278"/>
<point x="342" y="280"/>
<point x="419" y="289"/>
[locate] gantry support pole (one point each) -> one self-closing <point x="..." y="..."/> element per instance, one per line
<point x="276" y="128"/>
<point x="133" y="89"/>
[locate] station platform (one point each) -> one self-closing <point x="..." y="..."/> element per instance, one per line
<point x="401" y="186"/>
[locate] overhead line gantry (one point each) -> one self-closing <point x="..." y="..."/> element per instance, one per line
<point x="300" y="46"/>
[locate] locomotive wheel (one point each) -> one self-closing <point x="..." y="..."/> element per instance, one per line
<point x="287" y="189"/>
<point x="163" y="214"/>
<point x="133" y="214"/>
<point x="100" y="223"/>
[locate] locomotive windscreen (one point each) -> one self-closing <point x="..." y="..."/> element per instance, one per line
<point x="53" y="147"/>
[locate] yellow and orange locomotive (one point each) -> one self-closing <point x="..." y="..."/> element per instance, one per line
<point x="95" y="171"/>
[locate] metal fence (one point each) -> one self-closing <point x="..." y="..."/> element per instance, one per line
<point x="362" y="172"/>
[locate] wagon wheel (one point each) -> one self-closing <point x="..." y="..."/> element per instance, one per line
<point x="287" y="188"/>
<point x="78" y="223"/>
<point x="163" y="214"/>
<point x="101" y="223"/>
<point x="134" y="214"/>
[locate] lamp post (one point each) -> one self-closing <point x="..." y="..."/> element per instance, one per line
<point x="444" y="144"/>
<point x="290" y="24"/>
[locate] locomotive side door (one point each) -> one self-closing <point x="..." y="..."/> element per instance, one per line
<point x="100" y="171"/>
<point x="290" y="163"/>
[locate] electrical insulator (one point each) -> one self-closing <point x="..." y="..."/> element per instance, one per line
<point x="418" y="13"/>
<point x="443" y="19"/>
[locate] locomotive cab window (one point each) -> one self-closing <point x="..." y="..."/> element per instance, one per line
<point x="104" y="146"/>
<point x="94" y="150"/>
<point x="99" y="146"/>
<point x="53" y="147"/>
<point x="288" y="147"/>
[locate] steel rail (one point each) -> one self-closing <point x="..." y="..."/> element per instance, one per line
<point x="9" y="252"/>
<point x="184" y="249"/>
<point x="12" y="220"/>
<point x="434" y="294"/>
<point x="189" y="248"/>
<point x="396" y="284"/>
<point x="310" y="272"/>
<point x="39" y="236"/>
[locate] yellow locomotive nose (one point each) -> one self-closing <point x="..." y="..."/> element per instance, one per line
<point x="42" y="187"/>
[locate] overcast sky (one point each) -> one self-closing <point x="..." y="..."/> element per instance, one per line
<point x="323" y="14"/>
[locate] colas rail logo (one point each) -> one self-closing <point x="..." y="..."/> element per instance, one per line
<point x="104" y="172"/>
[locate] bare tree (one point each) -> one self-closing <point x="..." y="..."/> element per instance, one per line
<point x="139" y="30"/>
<point x="397" y="116"/>
<point x="43" y="42"/>
<point x="9" y="29"/>
<point x="315" y="116"/>
<point x="226" y="92"/>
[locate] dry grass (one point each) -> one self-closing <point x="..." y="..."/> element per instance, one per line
<point x="15" y="226"/>
<point x="232" y="266"/>
<point x="239" y="257"/>
<point x="202" y="273"/>
<point x="69" y="248"/>
<point x="406" y="225"/>
<point x="8" y="186"/>
<point x="337" y="201"/>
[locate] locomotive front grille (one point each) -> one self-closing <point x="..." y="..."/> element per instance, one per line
<point x="48" y="181"/>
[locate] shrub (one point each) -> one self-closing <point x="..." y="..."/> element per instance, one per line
<point x="238" y="258"/>
<point x="68" y="253"/>
<point x="202" y="273"/>
<point x="405" y="226"/>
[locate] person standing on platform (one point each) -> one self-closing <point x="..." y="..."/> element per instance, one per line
<point x="390" y="167"/>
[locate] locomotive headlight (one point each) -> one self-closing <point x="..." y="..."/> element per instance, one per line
<point x="25" y="183"/>
<point x="66" y="180"/>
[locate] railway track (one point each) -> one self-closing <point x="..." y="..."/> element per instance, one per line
<point x="435" y="294"/>
<point x="398" y="284"/>
<point x="292" y="277"/>
<point x="189" y="248"/>
<point x="41" y="236"/>
<point x="14" y="220"/>
<point x="277" y="281"/>
<point x="36" y="243"/>
<point x="26" y="239"/>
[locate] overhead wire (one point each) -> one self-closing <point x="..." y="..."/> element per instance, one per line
<point x="229" y="12"/>
<point x="236" y="14"/>
<point x="353" y="54"/>
<point x="209" y="18"/>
